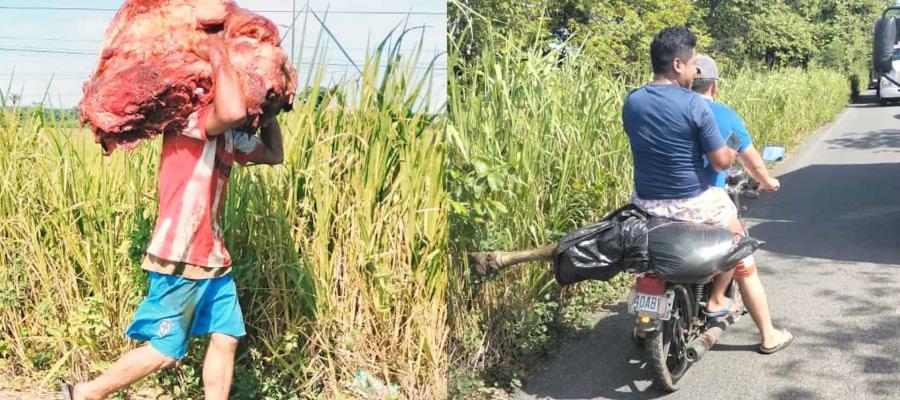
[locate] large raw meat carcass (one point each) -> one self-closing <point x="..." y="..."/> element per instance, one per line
<point x="148" y="80"/>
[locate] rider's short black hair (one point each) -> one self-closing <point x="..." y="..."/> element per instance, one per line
<point x="669" y="44"/>
<point x="702" y="85"/>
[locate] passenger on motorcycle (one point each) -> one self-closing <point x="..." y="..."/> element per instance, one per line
<point x="731" y="126"/>
<point x="670" y="130"/>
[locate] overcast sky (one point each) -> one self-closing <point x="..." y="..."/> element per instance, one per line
<point x="26" y="35"/>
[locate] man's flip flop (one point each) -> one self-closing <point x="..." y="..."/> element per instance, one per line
<point x="724" y="312"/>
<point x="66" y="390"/>
<point x="787" y="342"/>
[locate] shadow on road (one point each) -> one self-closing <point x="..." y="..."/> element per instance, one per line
<point x="841" y="215"/>
<point x="868" y="100"/>
<point x="825" y="220"/>
<point x="836" y="212"/>
<point x="879" y="371"/>
<point x="601" y="363"/>
<point x="881" y="141"/>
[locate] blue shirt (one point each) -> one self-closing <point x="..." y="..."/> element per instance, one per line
<point x="669" y="129"/>
<point x="730" y="123"/>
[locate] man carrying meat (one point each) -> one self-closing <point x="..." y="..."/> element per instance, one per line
<point x="191" y="288"/>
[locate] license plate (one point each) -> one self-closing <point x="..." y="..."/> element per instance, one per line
<point x="656" y="306"/>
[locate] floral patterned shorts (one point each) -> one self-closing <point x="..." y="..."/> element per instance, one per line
<point x="713" y="207"/>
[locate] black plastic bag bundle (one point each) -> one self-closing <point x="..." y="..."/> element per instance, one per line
<point x="684" y="252"/>
<point x="601" y="250"/>
<point x="633" y="240"/>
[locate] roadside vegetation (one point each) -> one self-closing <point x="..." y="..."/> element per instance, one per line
<point x="536" y="146"/>
<point x="339" y="254"/>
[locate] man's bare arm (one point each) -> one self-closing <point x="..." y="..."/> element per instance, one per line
<point x="273" y="148"/>
<point x="229" y="108"/>
<point x="754" y="164"/>
<point x="722" y="158"/>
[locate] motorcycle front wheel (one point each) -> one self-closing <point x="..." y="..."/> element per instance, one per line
<point x="666" y="347"/>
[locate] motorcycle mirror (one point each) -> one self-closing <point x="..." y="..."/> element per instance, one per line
<point x="773" y="153"/>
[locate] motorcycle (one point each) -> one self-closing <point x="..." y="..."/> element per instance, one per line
<point x="670" y="316"/>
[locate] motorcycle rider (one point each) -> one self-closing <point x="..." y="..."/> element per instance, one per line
<point x="670" y="130"/>
<point x="706" y="84"/>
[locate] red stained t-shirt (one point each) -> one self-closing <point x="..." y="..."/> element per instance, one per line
<point x="193" y="178"/>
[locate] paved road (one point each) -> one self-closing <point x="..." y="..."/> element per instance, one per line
<point x="831" y="271"/>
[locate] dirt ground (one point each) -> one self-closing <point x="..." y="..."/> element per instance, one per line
<point x="34" y="395"/>
<point x="44" y="395"/>
<point x="10" y="389"/>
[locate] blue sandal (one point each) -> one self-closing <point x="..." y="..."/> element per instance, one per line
<point x="724" y="312"/>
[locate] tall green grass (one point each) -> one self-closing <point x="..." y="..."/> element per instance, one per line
<point x="339" y="254"/>
<point x="782" y="106"/>
<point x="537" y="149"/>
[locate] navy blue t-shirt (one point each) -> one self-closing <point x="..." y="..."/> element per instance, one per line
<point x="670" y="130"/>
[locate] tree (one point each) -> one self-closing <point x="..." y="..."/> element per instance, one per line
<point x="780" y="37"/>
<point x="524" y="22"/>
<point x="835" y="33"/>
<point x="614" y="34"/>
<point x="843" y="29"/>
<point x="617" y="33"/>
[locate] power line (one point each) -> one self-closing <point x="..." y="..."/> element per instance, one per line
<point x="51" y="91"/>
<point x="336" y="41"/>
<point x="47" y="51"/>
<point x="43" y="8"/>
<point x="313" y="63"/>
<point x="96" y="50"/>
<point x="49" y="39"/>
<point x="84" y="53"/>
<point x="45" y="74"/>
<point x="45" y="78"/>
<point x="348" y="65"/>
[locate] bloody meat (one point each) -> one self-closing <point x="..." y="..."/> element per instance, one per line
<point x="148" y="81"/>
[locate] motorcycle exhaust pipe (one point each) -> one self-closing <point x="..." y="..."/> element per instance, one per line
<point x="698" y="347"/>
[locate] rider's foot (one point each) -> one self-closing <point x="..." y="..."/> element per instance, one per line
<point x="778" y="340"/>
<point x="715" y="310"/>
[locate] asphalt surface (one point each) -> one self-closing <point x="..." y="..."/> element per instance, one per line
<point x="830" y="269"/>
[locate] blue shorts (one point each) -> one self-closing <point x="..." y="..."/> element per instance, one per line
<point x="177" y="308"/>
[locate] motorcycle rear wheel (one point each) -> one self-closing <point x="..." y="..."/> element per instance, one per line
<point x="666" y="347"/>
